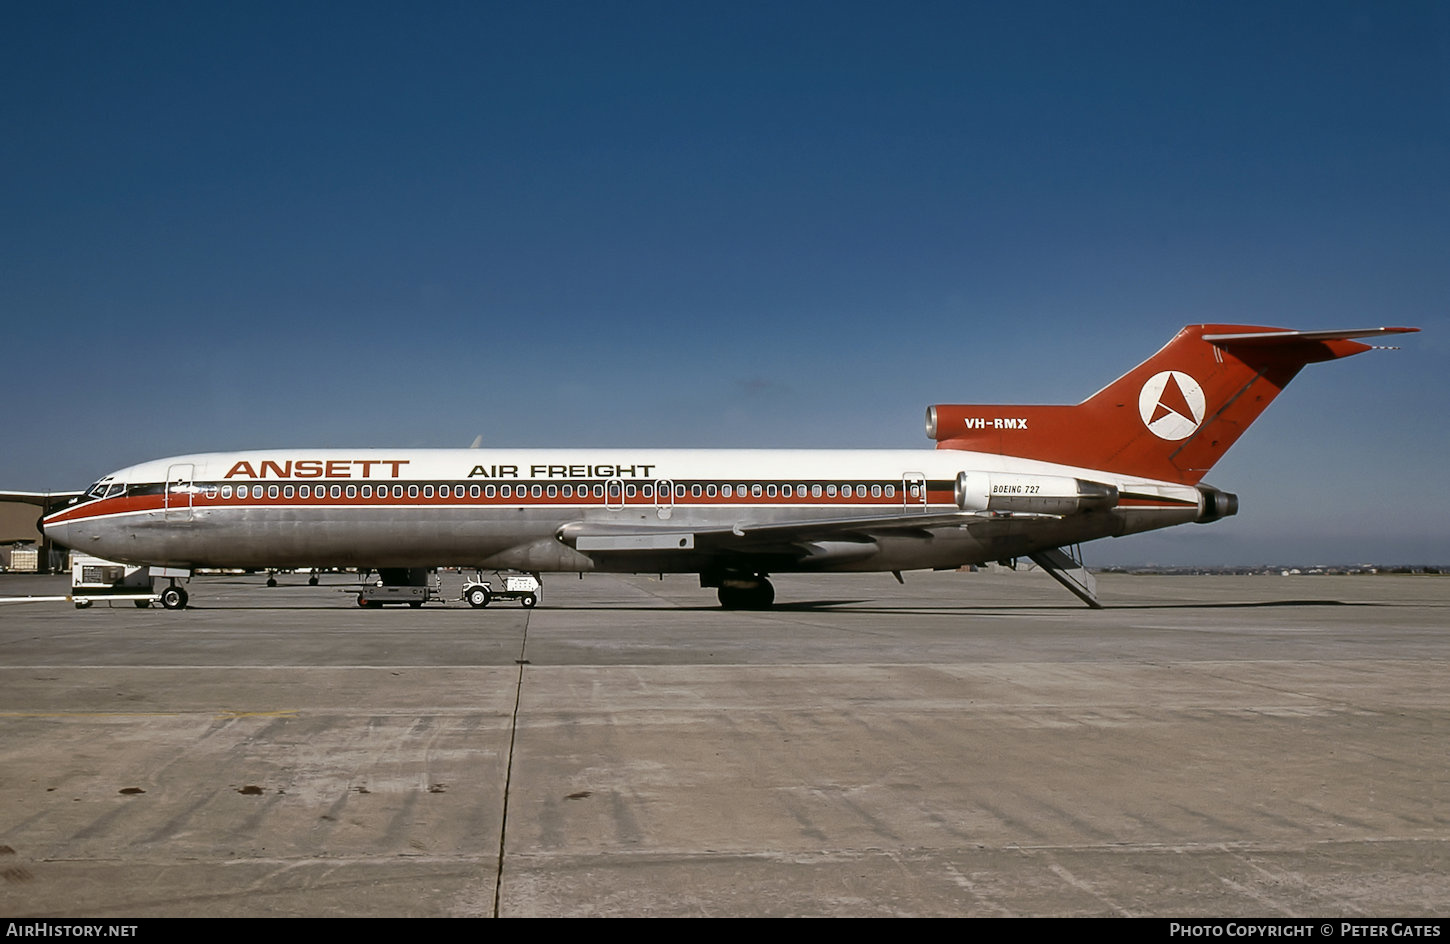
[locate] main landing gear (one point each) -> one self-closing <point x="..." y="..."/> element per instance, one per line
<point x="174" y="597"/>
<point x="744" y="591"/>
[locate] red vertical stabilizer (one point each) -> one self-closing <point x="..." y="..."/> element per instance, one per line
<point x="1169" y="418"/>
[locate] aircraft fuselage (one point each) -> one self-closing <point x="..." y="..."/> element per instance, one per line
<point x="556" y="510"/>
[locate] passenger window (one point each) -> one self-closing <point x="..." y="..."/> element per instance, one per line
<point x="367" y="491"/>
<point x="830" y="491"/>
<point x="754" y="490"/>
<point x="489" y="491"/>
<point x="553" y="491"/>
<point x="568" y="491"/>
<point x="473" y="491"/>
<point x="815" y="491"/>
<point x="727" y="491"/>
<point x="694" y="491"/>
<point x="537" y="491"/>
<point x="876" y="491"/>
<point x="770" y="491"/>
<point x="288" y="492"/>
<point x="397" y="491"/>
<point x="710" y="490"/>
<point x="427" y="491"/>
<point x="226" y="491"/>
<point x="891" y="491"/>
<point x="352" y="491"/>
<point x="412" y="491"/>
<point x="337" y="491"/>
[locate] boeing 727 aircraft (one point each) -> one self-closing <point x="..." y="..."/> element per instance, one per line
<point x="1003" y="482"/>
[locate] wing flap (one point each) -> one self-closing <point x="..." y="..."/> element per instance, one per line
<point x="634" y="541"/>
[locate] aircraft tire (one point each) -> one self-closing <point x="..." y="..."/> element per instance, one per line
<point x="478" y="597"/>
<point x="142" y="604"/>
<point x="754" y="595"/>
<point x="271" y="581"/>
<point x="173" y="598"/>
<point x="312" y="581"/>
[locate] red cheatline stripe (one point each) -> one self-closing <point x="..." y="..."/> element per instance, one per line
<point x="144" y="503"/>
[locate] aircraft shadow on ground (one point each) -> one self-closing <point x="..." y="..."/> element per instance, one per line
<point x="843" y="607"/>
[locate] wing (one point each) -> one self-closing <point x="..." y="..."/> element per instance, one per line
<point x="818" y="539"/>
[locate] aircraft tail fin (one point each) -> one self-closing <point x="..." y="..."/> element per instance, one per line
<point x="1169" y="418"/>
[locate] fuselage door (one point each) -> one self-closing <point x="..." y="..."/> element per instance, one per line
<point x="614" y="494"/>
<point x="180" y="492"/>
<point x="913" y="492"/>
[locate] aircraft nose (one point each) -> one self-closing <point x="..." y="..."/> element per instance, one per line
<point x="57" y="532"/>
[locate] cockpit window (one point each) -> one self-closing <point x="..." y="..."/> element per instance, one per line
<point x="105" y="488"/>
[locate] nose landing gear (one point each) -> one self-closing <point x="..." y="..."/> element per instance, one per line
<point x="174" y="597"/>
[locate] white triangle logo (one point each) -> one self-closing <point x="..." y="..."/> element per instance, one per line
<point x="1171" y="404"/>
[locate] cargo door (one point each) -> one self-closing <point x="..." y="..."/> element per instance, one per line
<point x="913" y="492"/>
<point x="180" y="491"/>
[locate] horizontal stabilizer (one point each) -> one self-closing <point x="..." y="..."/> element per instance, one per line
<point x="1274" y="336"/>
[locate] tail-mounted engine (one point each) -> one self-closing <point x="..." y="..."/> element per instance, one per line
<point x="1214" y="504"/>
<point x="1020" y="493"/>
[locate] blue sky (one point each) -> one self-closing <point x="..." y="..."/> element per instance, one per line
<point x="725" y="224"/>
